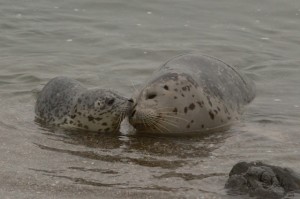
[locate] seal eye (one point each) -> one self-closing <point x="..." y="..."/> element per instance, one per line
<point x="151" y="96"/>
<point x="110" y="101"/>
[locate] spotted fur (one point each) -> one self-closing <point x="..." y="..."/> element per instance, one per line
<point x="191" y="94"/>
<point x="66" y="102"/>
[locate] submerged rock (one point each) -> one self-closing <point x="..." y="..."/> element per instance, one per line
<point x="262" y="180"/>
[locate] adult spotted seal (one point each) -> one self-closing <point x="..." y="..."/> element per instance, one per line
<point x="67" y="103"/>
<point x="189" y="94"/>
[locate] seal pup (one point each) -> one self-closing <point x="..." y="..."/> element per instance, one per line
<point x="190" y="94"/>
<point x="66" y="102"/>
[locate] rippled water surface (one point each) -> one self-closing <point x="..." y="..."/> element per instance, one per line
<point x="117" y="43"/>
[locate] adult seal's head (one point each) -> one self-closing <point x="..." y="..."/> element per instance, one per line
<point x="66" y="102"/>
<point x="191" y="94"/>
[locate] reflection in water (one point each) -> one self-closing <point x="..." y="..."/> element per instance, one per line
<point x="76" y="179"/>
<point x="104" y="171"/>
<point x="189" y="176"/>
<point x="161" y="146"/>
<point x="164" y="153"/>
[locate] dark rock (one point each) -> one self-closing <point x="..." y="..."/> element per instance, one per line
<point x="262" y="180"/>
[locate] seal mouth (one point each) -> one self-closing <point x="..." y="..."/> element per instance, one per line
<point x="132" y="111"/>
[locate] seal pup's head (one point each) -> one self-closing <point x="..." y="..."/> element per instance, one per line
<point x="100" y="110"/>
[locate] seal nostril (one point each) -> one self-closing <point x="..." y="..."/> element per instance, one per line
<point x="133" y="112"/>
<point x="130" y="100"/>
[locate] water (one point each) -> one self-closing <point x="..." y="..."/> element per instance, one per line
<point x="114" y="44"/>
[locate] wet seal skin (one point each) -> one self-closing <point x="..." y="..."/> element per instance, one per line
<point x="191" y="93"/>
<point x="67" y="103"/>
<point x="262" y="180"/>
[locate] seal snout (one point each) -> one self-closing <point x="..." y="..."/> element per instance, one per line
<point x="139" y="115"/>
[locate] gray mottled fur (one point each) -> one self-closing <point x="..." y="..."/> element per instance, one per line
<point x="66" y="102"/>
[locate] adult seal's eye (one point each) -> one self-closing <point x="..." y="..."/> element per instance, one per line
<point x="151" y="95"/>
<point x="110" y="101"/>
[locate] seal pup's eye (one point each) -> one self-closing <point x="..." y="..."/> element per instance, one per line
<point x="110" y="101"/>
<point x="151" y="96"/>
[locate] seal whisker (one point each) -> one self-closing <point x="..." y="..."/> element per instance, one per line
<point x="143" y="122"/>
<point x="155" y="126"/>
<point x="169" y="116"/>
<point x="154" y="121"/>
<point x="151" y="123"/>
<point x="120" y="119"/>
<point x="169" y="122"/>
<point x="173" y="113"/>
<point x="157" y="123"/>
<point x="134" y="88"/>
<point x="162" y="126"/>
<point x="163" y="108"/>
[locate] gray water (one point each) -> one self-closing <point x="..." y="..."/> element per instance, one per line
<point x="116" y="44"/>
